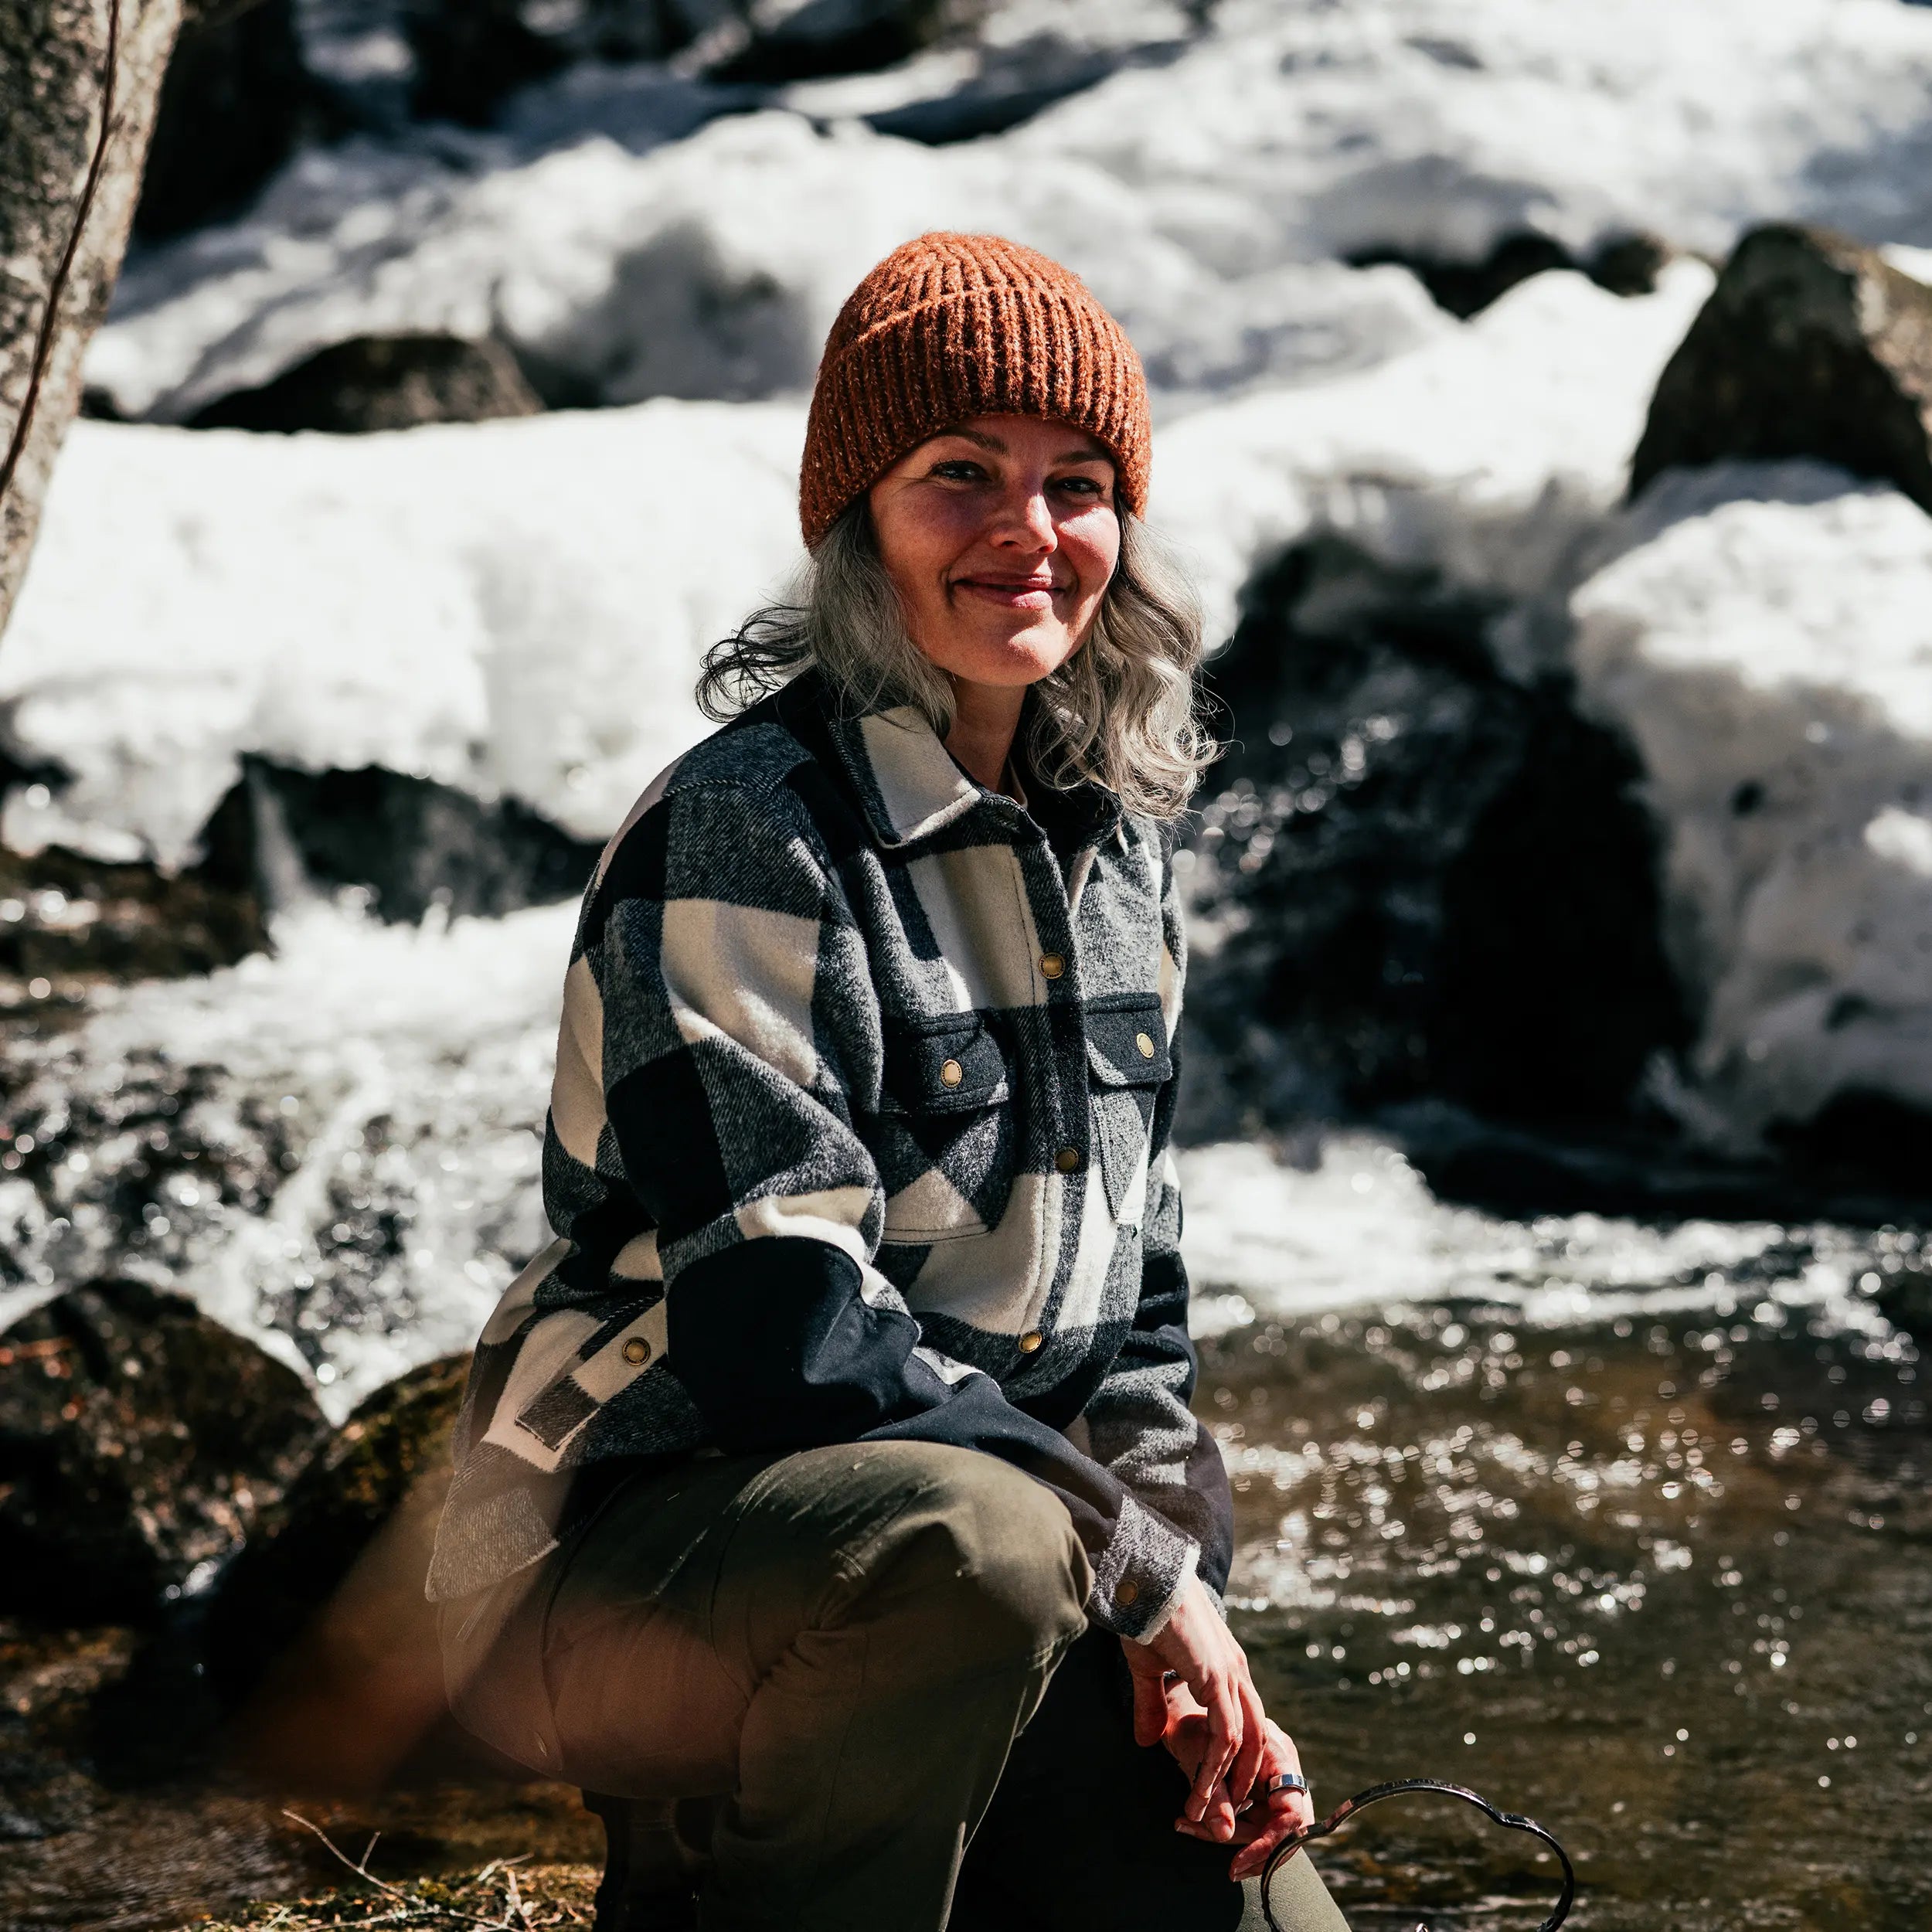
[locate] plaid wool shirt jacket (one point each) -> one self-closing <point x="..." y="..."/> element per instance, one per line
<point x="859" y="1132"/>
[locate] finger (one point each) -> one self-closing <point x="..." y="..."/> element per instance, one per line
<point x="1150" y="1709"/>
<point x="1254" y="1741"/>
<point x="1255" y="1853"/>
<point x="1224" y="1740"/>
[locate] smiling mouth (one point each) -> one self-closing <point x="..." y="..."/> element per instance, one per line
<point x="1025" y="590"/>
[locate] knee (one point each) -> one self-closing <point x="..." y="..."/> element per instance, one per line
<point x="986" y="1560"/>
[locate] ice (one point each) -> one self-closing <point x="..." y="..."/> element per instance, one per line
<point x="1766" y="643"/>
<point x="517" y="607"/>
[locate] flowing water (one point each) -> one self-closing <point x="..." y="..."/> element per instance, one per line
<point x="1625" y="1526"/>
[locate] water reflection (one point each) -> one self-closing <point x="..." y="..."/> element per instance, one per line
<point x="1662" y="1584"/>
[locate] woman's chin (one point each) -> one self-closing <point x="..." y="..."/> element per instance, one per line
<point x="1017" y="657"/>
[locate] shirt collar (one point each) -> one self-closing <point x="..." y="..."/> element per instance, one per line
<point x="910" y="786"/>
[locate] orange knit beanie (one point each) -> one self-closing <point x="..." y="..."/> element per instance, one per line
<point x="950" y="327"/>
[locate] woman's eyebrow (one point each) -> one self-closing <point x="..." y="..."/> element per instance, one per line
<point x="1086" y="451"/>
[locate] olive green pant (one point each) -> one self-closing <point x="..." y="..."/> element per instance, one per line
<point x="839" y="1649"/>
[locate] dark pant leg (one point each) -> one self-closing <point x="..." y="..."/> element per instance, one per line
<point x="1080" y="1836"/>
<point x="838" y="1645"/>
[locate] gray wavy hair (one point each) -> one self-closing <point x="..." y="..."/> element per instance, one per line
<point x="1119" y="712"/>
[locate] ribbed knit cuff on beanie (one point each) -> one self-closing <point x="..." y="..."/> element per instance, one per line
<point x="950" y="327"/>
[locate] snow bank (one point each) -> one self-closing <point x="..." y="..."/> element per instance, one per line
<point x="516" y="607"/>
<point x="711" y="267"/>
<point x="519" y="607"/>
<point x="1766" y="642"/>
<point x="1207" y="198"/>
<point x="1494" y="455"/>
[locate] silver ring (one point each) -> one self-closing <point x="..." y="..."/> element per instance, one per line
<point x="1286" y="1782"/>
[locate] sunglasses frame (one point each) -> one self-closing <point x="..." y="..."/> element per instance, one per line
<point x="1509" y="1821"/>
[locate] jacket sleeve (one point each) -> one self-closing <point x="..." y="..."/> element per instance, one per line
<point x="1139" y="1420"/>
<point x="739" y="1021"/>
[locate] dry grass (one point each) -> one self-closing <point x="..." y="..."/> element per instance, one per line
<point x="506" y="1895"/>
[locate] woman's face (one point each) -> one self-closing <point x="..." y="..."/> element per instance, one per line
<point x="1000" y="536"/>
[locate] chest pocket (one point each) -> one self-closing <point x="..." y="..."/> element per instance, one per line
<point x="944" y="1139"/>
<point x="1127" y="1062"/>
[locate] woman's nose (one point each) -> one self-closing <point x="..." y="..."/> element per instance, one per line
<point x="1024" y="518"/>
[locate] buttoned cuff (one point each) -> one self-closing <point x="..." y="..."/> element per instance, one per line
<point x="1139" y="1575"/>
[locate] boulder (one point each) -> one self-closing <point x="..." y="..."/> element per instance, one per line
<point x="140" y="1443"/>
<point x="395" y="1444"/>
<point x="1811" y="344"/>
<point x="235" y="101"/>
<point x="320" y="1630"/>
<point x="1625" y="265"/>
<point x="1414" y="879"/>
<point x="781" y="40"/>
<point x="382" y="382"/>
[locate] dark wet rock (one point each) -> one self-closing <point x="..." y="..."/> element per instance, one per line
<point x="780" y="40"/>
<point x="382" y="382"/>
<point x="1416" y="878"/>
<point x="395" y="1444"/>
<point x="407" y="844"/>
<point x="69" y="920"/>
<point x="1861" y="1135"/>
<point x="236" y="103"/>
<point x="313" y="1658"/>
<point x="1625" y="265"/>
<point x="139" y="1443"/>
<point x="1811" y="344"/>
<point x="469" y="53"/>
<point x="411" y="843"/>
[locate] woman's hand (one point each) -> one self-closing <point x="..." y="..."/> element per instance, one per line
<point x="1258" y="1826"/>
<point x="1227" y="1749"/>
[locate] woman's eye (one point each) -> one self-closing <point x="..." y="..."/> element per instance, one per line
<point x="958" y="469"/>
<point x="1080" y="485"/>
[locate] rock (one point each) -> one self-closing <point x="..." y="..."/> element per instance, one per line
<point x="469" y="53"/>
<point x="780" y="40"/>
<point x="395" y="1444"/>
<point x="410" y="844"/>
<point x="1415" y="879"/>
<point x="324" y="1629"/>
<point x="140" y="1442"/>
<point x="382" y="382"/>
<point x="235" y="102"/>
<point x="1811" y="344"/>
<point x="1626" y="265"/>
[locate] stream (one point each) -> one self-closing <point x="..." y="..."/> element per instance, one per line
<point x="1624" y="1524"/>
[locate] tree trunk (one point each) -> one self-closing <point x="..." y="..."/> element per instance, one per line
<point x="52" y="63"/>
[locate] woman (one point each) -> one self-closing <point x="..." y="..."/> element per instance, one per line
<point x="833" y="1474"/>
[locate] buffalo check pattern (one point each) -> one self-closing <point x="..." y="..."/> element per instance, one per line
<point x="858" y="1132"/>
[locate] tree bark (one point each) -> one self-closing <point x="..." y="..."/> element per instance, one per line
<point x="53" y="63"/>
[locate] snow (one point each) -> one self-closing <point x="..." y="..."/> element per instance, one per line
<point x="709" y="267"/>
<point x="518" y="607"/>
<point x="1490" y="455"/>
<point x="1211" y="198"/>
<point x="1767" y="642"/>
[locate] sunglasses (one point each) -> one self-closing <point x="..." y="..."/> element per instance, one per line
<point x="1405" y="1788"/>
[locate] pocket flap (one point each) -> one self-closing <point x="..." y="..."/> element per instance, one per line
<point x="947" y="1066"/>
<point x="1126" y="1040"/>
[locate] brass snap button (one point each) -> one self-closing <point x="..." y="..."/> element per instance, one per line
<point x="1052" y="965"/>
<point x="637" y="1349"/>
<point x="1125" y="1591"/>
<point x="1068" y="1160"/>
<point x="952" y="1074"/>
<point x="1031" y="1342"/>
<point x="1145" y="1042"/>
